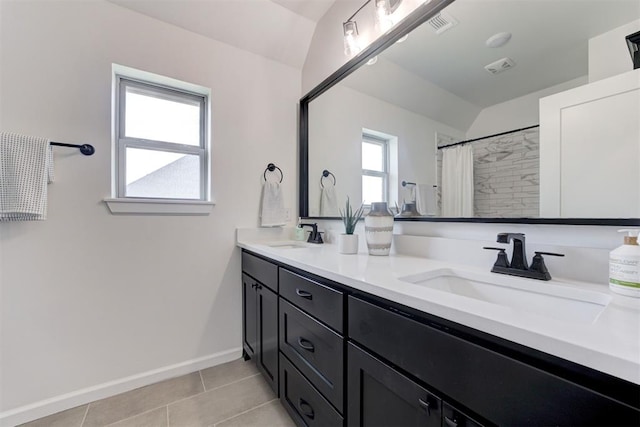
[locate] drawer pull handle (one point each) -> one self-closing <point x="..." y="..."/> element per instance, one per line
<point x="304" y="294"/>
<point x="307" y="411"/>
<point x="450" y="422"/>
<point x="425" y="405"/>
<point x="306" y="344"/>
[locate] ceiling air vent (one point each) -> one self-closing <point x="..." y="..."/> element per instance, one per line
<point x="500" y="65"/>
<point x="442" y="22"/>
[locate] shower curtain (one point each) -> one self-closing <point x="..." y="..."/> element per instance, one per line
<point x="457" y="181"/>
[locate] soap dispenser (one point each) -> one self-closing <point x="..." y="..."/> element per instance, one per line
<point x="624" y="265"/>
<point x="299" y="232"/>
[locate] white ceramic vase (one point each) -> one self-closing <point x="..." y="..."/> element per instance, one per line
<point x="378" y="227"/>
<point x="348" y="243"/>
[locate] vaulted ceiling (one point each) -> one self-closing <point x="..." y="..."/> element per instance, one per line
<point x="277" y="29"/>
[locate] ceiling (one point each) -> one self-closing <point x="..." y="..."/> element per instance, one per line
<point x="549" y="46"/>
<point x="277" y="29"/>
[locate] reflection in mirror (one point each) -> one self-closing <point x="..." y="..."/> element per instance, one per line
<point x="488" y="79"/>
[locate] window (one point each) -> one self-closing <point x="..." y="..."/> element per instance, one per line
<point x="375" y="169"/>
<point x="161" y="147"/>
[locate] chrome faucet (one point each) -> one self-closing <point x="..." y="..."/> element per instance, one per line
<point x="518" y="265"/>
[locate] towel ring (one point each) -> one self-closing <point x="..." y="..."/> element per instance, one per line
<point x="326" y="173"/>
<point x="271" y="167"/>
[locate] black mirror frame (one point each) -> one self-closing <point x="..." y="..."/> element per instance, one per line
<point x="416" y="18"/>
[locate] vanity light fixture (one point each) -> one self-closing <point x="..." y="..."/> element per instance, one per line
<point x="633" y="42"/>
<point x="383" y="16"/>
<point x="383" y="22"/>
<point x="351" y="45"/>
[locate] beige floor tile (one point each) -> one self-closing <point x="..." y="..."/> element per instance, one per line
<point x="70" y="418"/>
<point x="220" y="404"/>
<point x="228" y="373"/>
<point x="270" y="415"/>
<point x="143" y="399"/>
<point x="155" y="418"/>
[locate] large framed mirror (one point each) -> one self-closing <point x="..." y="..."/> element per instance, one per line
<point x="517" y="111"/>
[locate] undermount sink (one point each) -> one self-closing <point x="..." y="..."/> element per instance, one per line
<point x="549" y="299"/>
<point x="288" y="244"/>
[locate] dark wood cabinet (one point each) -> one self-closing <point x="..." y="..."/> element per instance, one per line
<point x="316" y="350"/>
<point x="317" y="299"/>
<point x="503" y="390"/>
<point x="249" y="316"/>
<point x="379" y="396"/>
<point x="303" y="401"/>
<point x="339" y="356"/>
<point x="260" y="318"/>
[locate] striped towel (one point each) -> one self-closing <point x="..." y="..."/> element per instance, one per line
<point x="26" y="167"/>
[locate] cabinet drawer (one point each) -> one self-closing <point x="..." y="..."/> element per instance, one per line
<point x="316" y="299"/>
<point x="303" y="402"/>
<point x="261" y="270"/>
<point x="315" y="350"/>
<point x="501" y="389"/>
<point x="380" y="396"/>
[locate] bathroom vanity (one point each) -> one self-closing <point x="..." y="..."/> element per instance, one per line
<point x="360" y="342"/>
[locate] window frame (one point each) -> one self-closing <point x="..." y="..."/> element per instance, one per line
<point x="384" y="174"/>
<point x="123" y="142"/>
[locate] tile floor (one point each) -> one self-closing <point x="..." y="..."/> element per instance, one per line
<point x="232" y="394"/>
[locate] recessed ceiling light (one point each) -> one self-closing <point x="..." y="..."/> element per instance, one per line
<point x="498" y="40"/>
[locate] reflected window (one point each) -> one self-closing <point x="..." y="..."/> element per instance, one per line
<point x="161" y="144"/>
<point x="375" y="169"/>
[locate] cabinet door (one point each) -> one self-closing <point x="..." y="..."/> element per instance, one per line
<point x="303" y="402"/>
<point x="249" y="319"/>
<point x="380" y="396"/>
<point x="315" y="350"/>
<point x="267" y="343"/>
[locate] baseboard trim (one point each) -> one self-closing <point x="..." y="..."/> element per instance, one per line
<point x="62" y="402"/>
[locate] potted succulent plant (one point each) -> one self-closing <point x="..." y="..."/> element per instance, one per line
<point x="348" y="242"/>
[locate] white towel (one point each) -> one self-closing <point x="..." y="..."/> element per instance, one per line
<point x="26" y="167"/>
<point x="272" y="212"/>
<point x="328" y="201"/>
<point x="426" y="199"/>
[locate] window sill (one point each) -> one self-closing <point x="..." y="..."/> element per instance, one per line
<point x="159" y="207"/>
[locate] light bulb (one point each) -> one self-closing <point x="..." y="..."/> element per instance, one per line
<point x="351" y="45"/>
<point x="383" y="16"/>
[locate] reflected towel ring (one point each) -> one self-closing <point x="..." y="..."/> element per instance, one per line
<point x="271" y="167"/>
<point x="326" y="173"/>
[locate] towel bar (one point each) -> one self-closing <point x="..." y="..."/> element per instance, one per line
<point x="85" y="149"/>
<point x="271" y="167"/>
<point x="326" y="173"/>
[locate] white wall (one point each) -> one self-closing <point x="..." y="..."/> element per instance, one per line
<point x="87" y="297"/>
<point x="515" y="113"/>
<point x="336" y="121"/>
<point x="609" y="54"/>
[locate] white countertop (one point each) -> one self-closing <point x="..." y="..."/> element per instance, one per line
<point x="610" y="344"/>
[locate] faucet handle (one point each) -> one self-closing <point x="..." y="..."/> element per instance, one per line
<point x="502" y="260"/>
<point x="538" y="265"/>
<point x="548" y="253"/>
